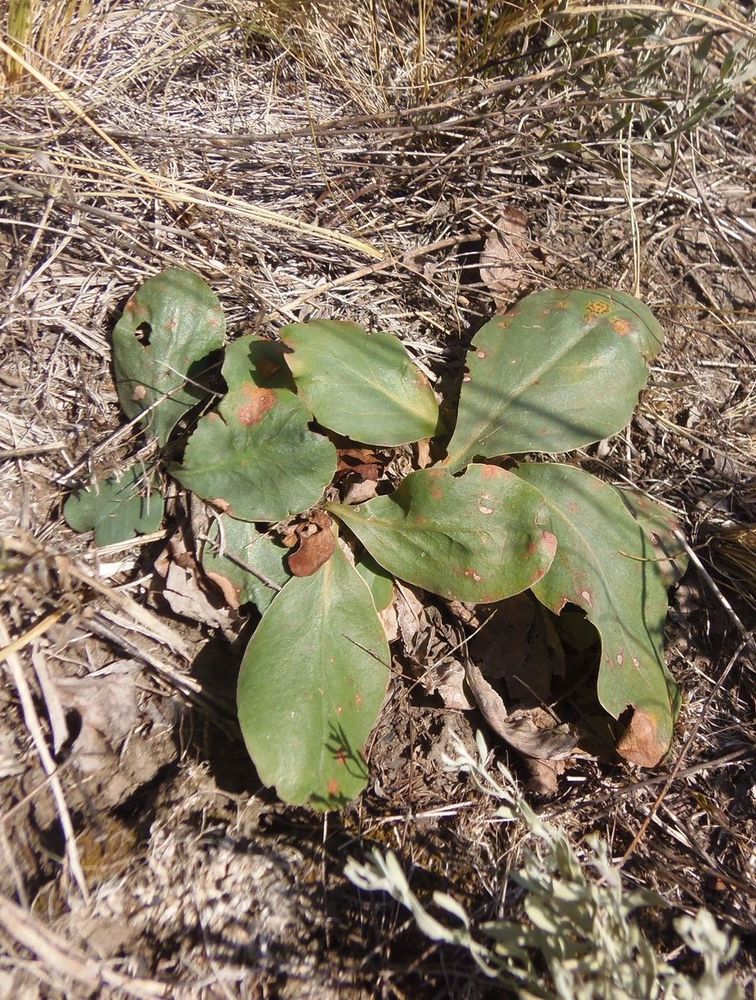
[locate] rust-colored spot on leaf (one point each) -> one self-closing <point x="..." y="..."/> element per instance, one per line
<point x="256" y="403"/>
<point x="316" y="545"/>
<point x="334" y="788"/>
<point x="481" y="354"/>
<point x="622" y="326"/>
<point x="472" y="575"/>
<point x="550" y="541"/>
<point x="341" y="756"/>
<point x="491" y="471"/>
<point x="136" y="309"/>
<point x="596" y="307"/>
<point x="640" y="742"/>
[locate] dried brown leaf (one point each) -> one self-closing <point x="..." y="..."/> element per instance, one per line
<point x="519" y="644"/>
<point x="524" y="730"/>
<point x="429" y="645"/>
<point x="316" y="545"/>
<point x="640" y="743"/>
<point x="507" y="260"/>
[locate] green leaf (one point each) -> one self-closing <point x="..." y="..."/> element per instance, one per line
<point x="364" y="386"/>
<point x="256" y="458"/>
<point x="117" y="509"/>
<point x="312" y="683"/>
<point x="183" y="324"/>
<point x="479" y="537"/>
<point x="606" y="565"/>
<point x="244" y="549"/>
<point x="660" y="526"/>
<point x="558" y="371"/>
<point x="261" y="361"/>
<point x="380" y="583"/>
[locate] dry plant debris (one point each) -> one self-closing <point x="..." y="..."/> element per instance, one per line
<point x="349" y="161"/>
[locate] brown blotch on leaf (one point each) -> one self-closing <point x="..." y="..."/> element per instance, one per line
<point x="640" y="742"/>
<point x="136" y="309"/>
<point x="316" y="545"/>
<point x="550" y="541"/>
<point x="256" y="403"/>
<point x="139" y="393"/>
<point x="622" y="327"/>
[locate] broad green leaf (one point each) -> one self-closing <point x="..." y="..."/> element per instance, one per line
<point x="240" y="559"/>
<point x="380" y="583"/>
<point x="256" y="458"/>
<point x="660" y="525"/>
<point x="261" y="361"/>
<point x="312" y="683"/>
<point x="558" y="371"/>
<point x="606" y="565"/>
<point x="479" y="537"/>
<point x="161" y="346"/>
<point x="117" y="509"/>
<point x="364" y="386"/>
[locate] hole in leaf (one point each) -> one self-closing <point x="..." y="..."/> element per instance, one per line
<point x="143" y="333"/>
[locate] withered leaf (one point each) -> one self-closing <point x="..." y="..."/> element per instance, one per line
<point x="519" y="644"/>
<point x="316" y="545"/>
<point x="507" y="261"/>
<point x="522" y="730"/>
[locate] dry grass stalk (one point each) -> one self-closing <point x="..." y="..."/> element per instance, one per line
<point x="42" y="33"/>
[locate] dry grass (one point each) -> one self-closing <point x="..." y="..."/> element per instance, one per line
<point x="347" y="160"/>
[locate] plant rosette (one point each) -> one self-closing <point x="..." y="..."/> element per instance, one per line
<point x="314" y="675"/>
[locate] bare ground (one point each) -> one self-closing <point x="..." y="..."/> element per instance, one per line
<point x="348" y="164"/>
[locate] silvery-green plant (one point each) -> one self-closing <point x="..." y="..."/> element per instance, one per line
<point x="577" y="920"/>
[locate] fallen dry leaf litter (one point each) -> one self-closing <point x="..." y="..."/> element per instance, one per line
<point x="397" y="172"/>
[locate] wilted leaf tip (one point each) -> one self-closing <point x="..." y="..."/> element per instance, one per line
<point x="640" y="744"/>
